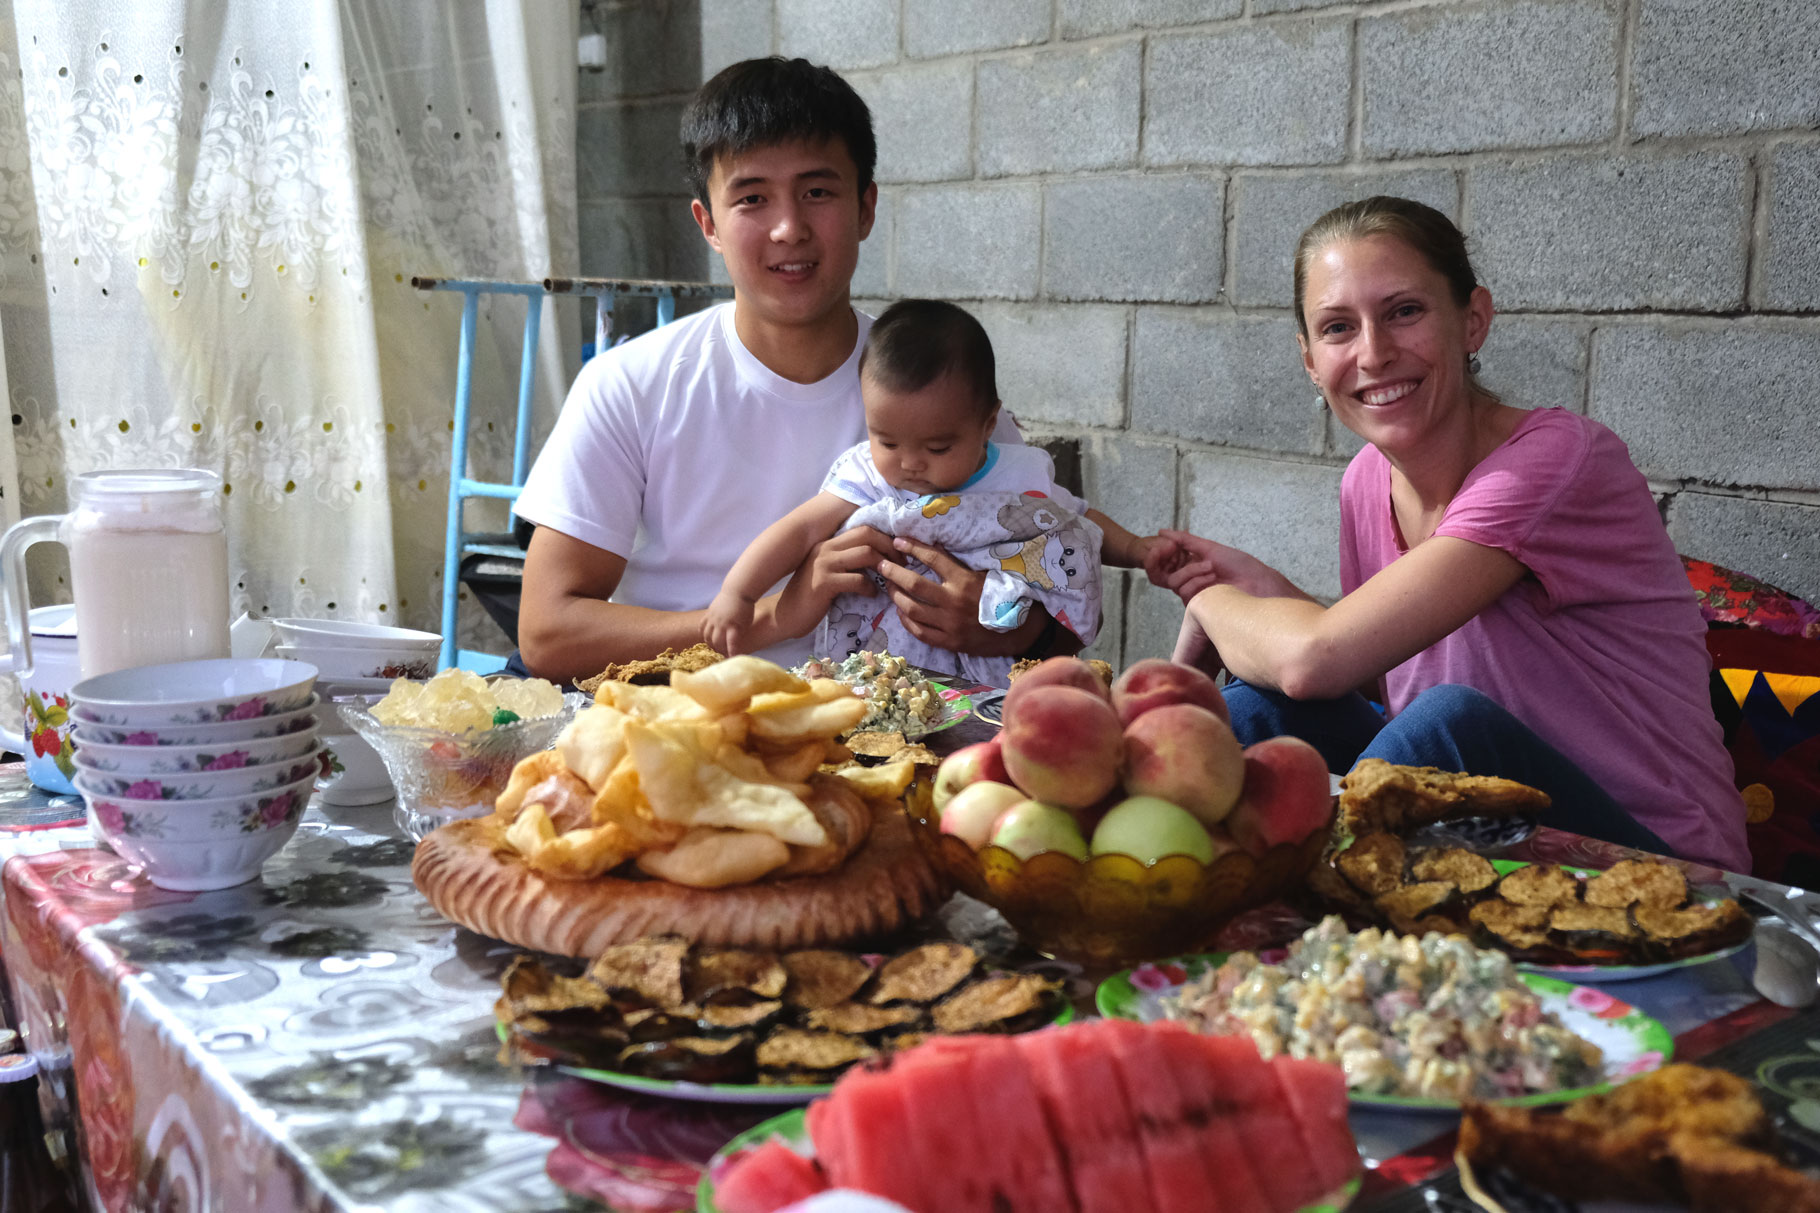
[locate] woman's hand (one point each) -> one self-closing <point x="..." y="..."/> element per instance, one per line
<point x="1186" y="564"/>
<point x="836" y="566"/>
<point x="944" y="613"/>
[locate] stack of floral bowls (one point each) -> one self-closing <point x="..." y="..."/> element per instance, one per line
<point x="358" y="662"/>
<point x="197" y="771"/>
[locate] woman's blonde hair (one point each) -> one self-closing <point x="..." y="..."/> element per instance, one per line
<point x="1424" y="229"/>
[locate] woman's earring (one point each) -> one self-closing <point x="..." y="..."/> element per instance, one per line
<point x="1320" y="397"/>
<point x="1472" y="364"/>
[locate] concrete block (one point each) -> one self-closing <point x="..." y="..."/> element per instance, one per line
<point x="1062" y="111"/>
<point x="923" y="119"/>
<point x="1152" y="237"/>
<point x="1270" y="211"/>
<point x="1731" y="405"/>
<point x="1267" y="94"/>
<point x="968" y="241"/>
<point x="732" y="30"/>
<point x="1537" y="361"/>
<point x="641" y="238"/>
<point x="1524" y="73"/>
<point x="1339" y="441"/>
<point x="953" y="27"/>
<point x="1085" y="18"/>
<point x="1059" y="364"/>
<point x="1613" y="232"/>
<point x="1153" y="618"/>
<point x="1234" y="380"/>
<point x="1131" y="481"/>
<point x="1699" y="68"/>
<point x="653" y="46"/>
<point x="1773" y="541"/>
<point x="1790" y="266"/>
<point x="849" y="34"/>
<point x="628" y="150"/>
<point x="1286" y="514"/>
<point x="873" y="274"/>
<point x="1260" y="8"/>
<point x="1110" y="645"/>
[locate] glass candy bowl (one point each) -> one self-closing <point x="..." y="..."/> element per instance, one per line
<point x="1112" y="911"/>
<point x="442" y="776"/>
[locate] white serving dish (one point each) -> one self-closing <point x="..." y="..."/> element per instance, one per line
<point x="366" y="688"/>
<point x="202" y="785"/>
<point x="215" y="691"/>
<point x="337" y="664"/>
<point x="347" y="634"/>
<point x="194" y="845"/>
<point x="357" y="774"/>
<point x="90" y="730"/>
<point x="178" y="759"/>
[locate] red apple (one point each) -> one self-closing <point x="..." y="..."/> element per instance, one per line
<point x="970" y="765"/>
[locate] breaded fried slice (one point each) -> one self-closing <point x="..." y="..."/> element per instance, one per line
<point x="651" y="969"/>
<point x="714" y="970"/>
<point x="822" y="977"/>
<point x="1373" y="864"/>
<point x="1461" y="868"/>
<point x="791" y="1048"/>
<point x="1631" y="880"/>
<point x="1721" y="919"/>
<point x="1575" y="917"/>
<point x="1521" y="927"/>
<point x="1408" y="908"/>
<point x="656" y="669"/>
<point x="860" y="1019"/>
<point x="924" y="974"/>
<point x="1380" y="795"/>
<point x="1539" y="884"/>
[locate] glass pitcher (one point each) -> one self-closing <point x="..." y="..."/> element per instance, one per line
<point x="148" y="569"/>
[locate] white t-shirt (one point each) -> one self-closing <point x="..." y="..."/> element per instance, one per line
<point x="677" y="448"/>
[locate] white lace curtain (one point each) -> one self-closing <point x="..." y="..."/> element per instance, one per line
<point x="210" y="215"/>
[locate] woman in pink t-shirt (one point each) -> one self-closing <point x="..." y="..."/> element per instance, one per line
<point x="1508" y="587"/>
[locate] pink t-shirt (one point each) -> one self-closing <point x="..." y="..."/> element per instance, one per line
<point x="1599" y="649"/>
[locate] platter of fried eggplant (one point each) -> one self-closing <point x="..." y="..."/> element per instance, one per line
<point x="669" y="1017"/>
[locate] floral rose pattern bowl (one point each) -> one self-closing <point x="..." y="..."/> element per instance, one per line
<point x="174" y="760"/>
<point x="89" y="728"/>
<point x="231" y="776"/>
<point x="192" y="845"/>
<point x="214" y="691"/>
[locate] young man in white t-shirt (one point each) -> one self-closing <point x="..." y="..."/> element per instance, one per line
<point x="675" y="450"/>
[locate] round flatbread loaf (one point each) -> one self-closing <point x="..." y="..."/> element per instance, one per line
<point x="470" y="877"/>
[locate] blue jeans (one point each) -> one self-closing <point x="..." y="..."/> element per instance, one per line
<point x="1452" y="727"/>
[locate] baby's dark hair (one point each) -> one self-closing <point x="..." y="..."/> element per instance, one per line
<point x="917" y="341"/>
<point x="760" y="102"/>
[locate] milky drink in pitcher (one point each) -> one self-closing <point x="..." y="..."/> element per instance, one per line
<point x="148" y="568"/>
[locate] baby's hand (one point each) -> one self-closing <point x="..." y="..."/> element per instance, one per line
<point x="728" y="621"/>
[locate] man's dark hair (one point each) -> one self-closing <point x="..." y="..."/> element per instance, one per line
<point x="917" y="341"/>
<point x="764" y="101"/>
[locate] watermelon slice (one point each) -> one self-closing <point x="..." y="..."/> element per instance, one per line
<point x="1316" y="1095"/>
<point x="1209" y="1111"/>
<point x="1031" y="1172"/>
<point x="1265" y="1122"/>
<point x="1088" y="1115"/>
<point x="946" y="1130"/>
<point x="770" y="1177"/>
<point x="866" y="1122"/>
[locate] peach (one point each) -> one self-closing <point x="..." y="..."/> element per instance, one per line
<point x="1153" y="682"/>
<point x="1032" y="827"/>
<point x="973" y="812"/>
<point x="1188" y="756"/>
<point x="1057" y="671"/>
<point x="1288" y="795"/>
<point x="967" y="766"/>
<point x="1063" y="746"/>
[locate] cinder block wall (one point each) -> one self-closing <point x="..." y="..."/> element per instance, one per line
<point x="1116" y="186"/>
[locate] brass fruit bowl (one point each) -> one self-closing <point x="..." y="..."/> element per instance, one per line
<point x="1112" y="911"/>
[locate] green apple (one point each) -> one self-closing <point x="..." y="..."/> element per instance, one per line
<point x="1032" y="827"/>
<point x="975" y="810"/>
<point x="1148" y="828"/>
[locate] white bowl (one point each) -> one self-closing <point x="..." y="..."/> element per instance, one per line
<point x="357" y="773"/>
<point x="202" y="785"/>
<point x="193" y="845"/>
<point x="195" y="692"/>
<point x="346" y="634"/>
<point x="337" y="664"/>
<point x="364" y="688"/>
<point x="90" y="730"/>
<point x="178" y="759"/>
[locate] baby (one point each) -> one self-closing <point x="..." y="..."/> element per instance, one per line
<point x="929" y="471"/>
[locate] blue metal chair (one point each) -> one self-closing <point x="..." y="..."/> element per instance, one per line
<point x="458" y="542"/>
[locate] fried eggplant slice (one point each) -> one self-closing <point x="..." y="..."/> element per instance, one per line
<point x="714" y="972"/>
<point x="1411" y="909"/>
<point x="925" y="973"/>
<point x="1461" y="868"/>
<point x="795" y="1049"/>
<point x="724" y="1017"/>
<point x="1004" y="1002"/>
<point x="528" y="987"/>
<point x="651" y="969"/>
<point x="1638" y="880"/>
<point x="1373" y="864"/>
<point x="822" y="977"/>
<point x="1511" y="925"/>
<point x="863" y="1019"/>
<point x="1695" y="928"/>
<point x="711" y="1059"/>
<point x="1578" y="919"/>
<point x="1539" y="884"/>
<point x="1377" y="795"/>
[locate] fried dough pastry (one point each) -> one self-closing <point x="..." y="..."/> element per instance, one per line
<point x="1377" y="795"/>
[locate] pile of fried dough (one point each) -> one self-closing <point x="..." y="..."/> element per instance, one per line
<point x="729" y="774"/>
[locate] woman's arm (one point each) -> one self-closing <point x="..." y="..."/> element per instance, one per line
<point x="1308" y="651"/>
